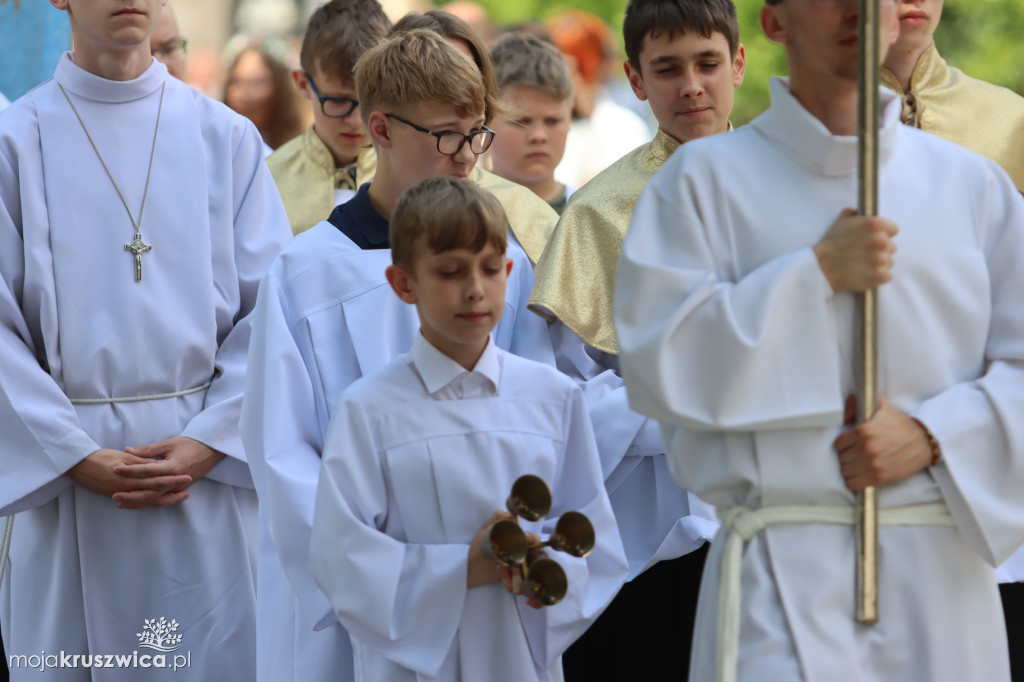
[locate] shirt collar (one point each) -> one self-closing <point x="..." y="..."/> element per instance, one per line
<point x="806" y="139"/>
<point x="437" y="370"/>
<point x="83" y="83"/>
<point x="358" y="220"/>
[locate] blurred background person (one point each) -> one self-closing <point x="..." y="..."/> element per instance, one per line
<point x="536" y="95"/>
<point x="259" y="86"/>
<point x="602" y="131"/>
<point x="167" y="45"/>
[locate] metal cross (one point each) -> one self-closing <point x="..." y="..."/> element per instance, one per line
<point x="138" y="247"/>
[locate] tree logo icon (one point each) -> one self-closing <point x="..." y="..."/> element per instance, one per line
<point x="159" y="634"/>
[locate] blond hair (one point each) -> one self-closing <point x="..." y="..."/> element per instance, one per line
<point x="456" y="30"/>
<point x="443" y="214"/>
<point x="405" y="70"/>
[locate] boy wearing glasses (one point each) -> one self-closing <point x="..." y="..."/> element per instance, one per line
<point x="736" y="319"/>
<point x="326" y="316"/>
<point x="318" y="170"/>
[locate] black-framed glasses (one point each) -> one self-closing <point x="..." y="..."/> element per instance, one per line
<point x="171" y="51"/>
<point x="333" y="107"/>
<point x="450" y="142"/>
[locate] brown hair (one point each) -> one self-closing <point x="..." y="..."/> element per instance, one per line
<point x="451" y="27"/>
<point x="284" y="119"/>
<point x="338" y="32"/>
<point x="443" y="214"/>
<point x="653" y="17"/>
<point x="524" y="59"/>
<point x="405" y="69"/>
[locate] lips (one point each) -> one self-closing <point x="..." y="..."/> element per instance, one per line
<point x="473" y="317"/>
<point x="694" y="111"/>
<point x="914" y="17"/>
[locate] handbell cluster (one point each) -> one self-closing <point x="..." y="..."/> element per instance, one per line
<point x="543" y="579"/>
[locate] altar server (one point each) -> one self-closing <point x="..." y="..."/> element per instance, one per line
<point x="136" y="220"/>
<point x="420" y="454"/>
<point x="735" y="317"/>
<point x="325" y="317"/>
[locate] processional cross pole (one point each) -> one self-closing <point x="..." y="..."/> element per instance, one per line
<point x="867" y="304"/>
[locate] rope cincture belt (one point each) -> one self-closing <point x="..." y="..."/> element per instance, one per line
<point x="140" y="398"/>
<point x="741" y="524"/>
<point x="5" y="534"/>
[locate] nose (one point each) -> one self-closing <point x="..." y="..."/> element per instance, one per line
<point x="691" y="85"/>
<point x="465" y="155"/>
<point x="537" y="133"/>
<point x="474" y="286"/>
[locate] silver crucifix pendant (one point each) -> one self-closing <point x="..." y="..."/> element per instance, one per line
<point x="138" y="247"/>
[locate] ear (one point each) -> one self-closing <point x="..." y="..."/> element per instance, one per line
<point x="61" y="4"/>
<point x="377" y="127"/>
<point x="739" y="66"/>
<point x="636" y="80"/>
<point x="772" y="25"/>
<point x="302" y="84"/>
<point x="401" y="283"/>
<point x="508" y="267"/>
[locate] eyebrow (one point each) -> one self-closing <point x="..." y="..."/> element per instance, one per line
<point x="667" y="59"/>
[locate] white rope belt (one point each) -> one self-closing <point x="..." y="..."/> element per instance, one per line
<point x="5" y="545"/>
<point x="140" y="398"/>
<point x="741" y="524"/>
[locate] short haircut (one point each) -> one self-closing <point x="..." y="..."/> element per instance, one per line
<point x="701" y="17"/>
<point x="443" y="214"/>
<point x="451" y="27"/>
<point x="338" y="32"/>
<point x="406" y="69"/>
<point x="524" y="59"/>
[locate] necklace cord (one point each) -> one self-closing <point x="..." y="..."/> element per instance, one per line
<point x="152" y="155"/>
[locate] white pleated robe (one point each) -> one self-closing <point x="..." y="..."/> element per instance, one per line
<point x="324" y="317"/>
<point x="84" y="575"/>
<point x="732" y="338"/>
<point x="418" y="457"/>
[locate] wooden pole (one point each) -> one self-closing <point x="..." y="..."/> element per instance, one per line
<point x="867" y="136"/>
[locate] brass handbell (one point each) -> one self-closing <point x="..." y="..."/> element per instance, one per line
<point x="530" y="498"/>
<point x="574" y="535"/>
<point x="543" y="579"/>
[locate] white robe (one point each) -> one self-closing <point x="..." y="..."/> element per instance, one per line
<point x="324" y="317"/>
<point x="658" y="520"/>
<point x="734" y="341"/>
<point x="83" y="574"/>
<point x="4" y="102"/>
<point x="418" y="457"/>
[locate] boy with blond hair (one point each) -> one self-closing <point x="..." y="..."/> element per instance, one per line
<point x="325" y="315"/>
<point x="536" y="98"/>
<point x="685" y="60"/>
<point x="319" y="169"/>
<point x="420" y="453"/>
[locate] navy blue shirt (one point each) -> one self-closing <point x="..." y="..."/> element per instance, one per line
<point x="358" y="220"/>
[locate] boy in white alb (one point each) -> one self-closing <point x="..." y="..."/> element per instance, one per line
<point x="421" y="453"/>
<point x="325" y="316"/>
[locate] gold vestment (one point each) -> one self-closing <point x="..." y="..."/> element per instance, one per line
<point x="304" y="172"/>
<point x="575" y="279"/>
<point x="985" y="118"/>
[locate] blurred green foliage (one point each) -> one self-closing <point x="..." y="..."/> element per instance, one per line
<point x="984" y="38"/>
